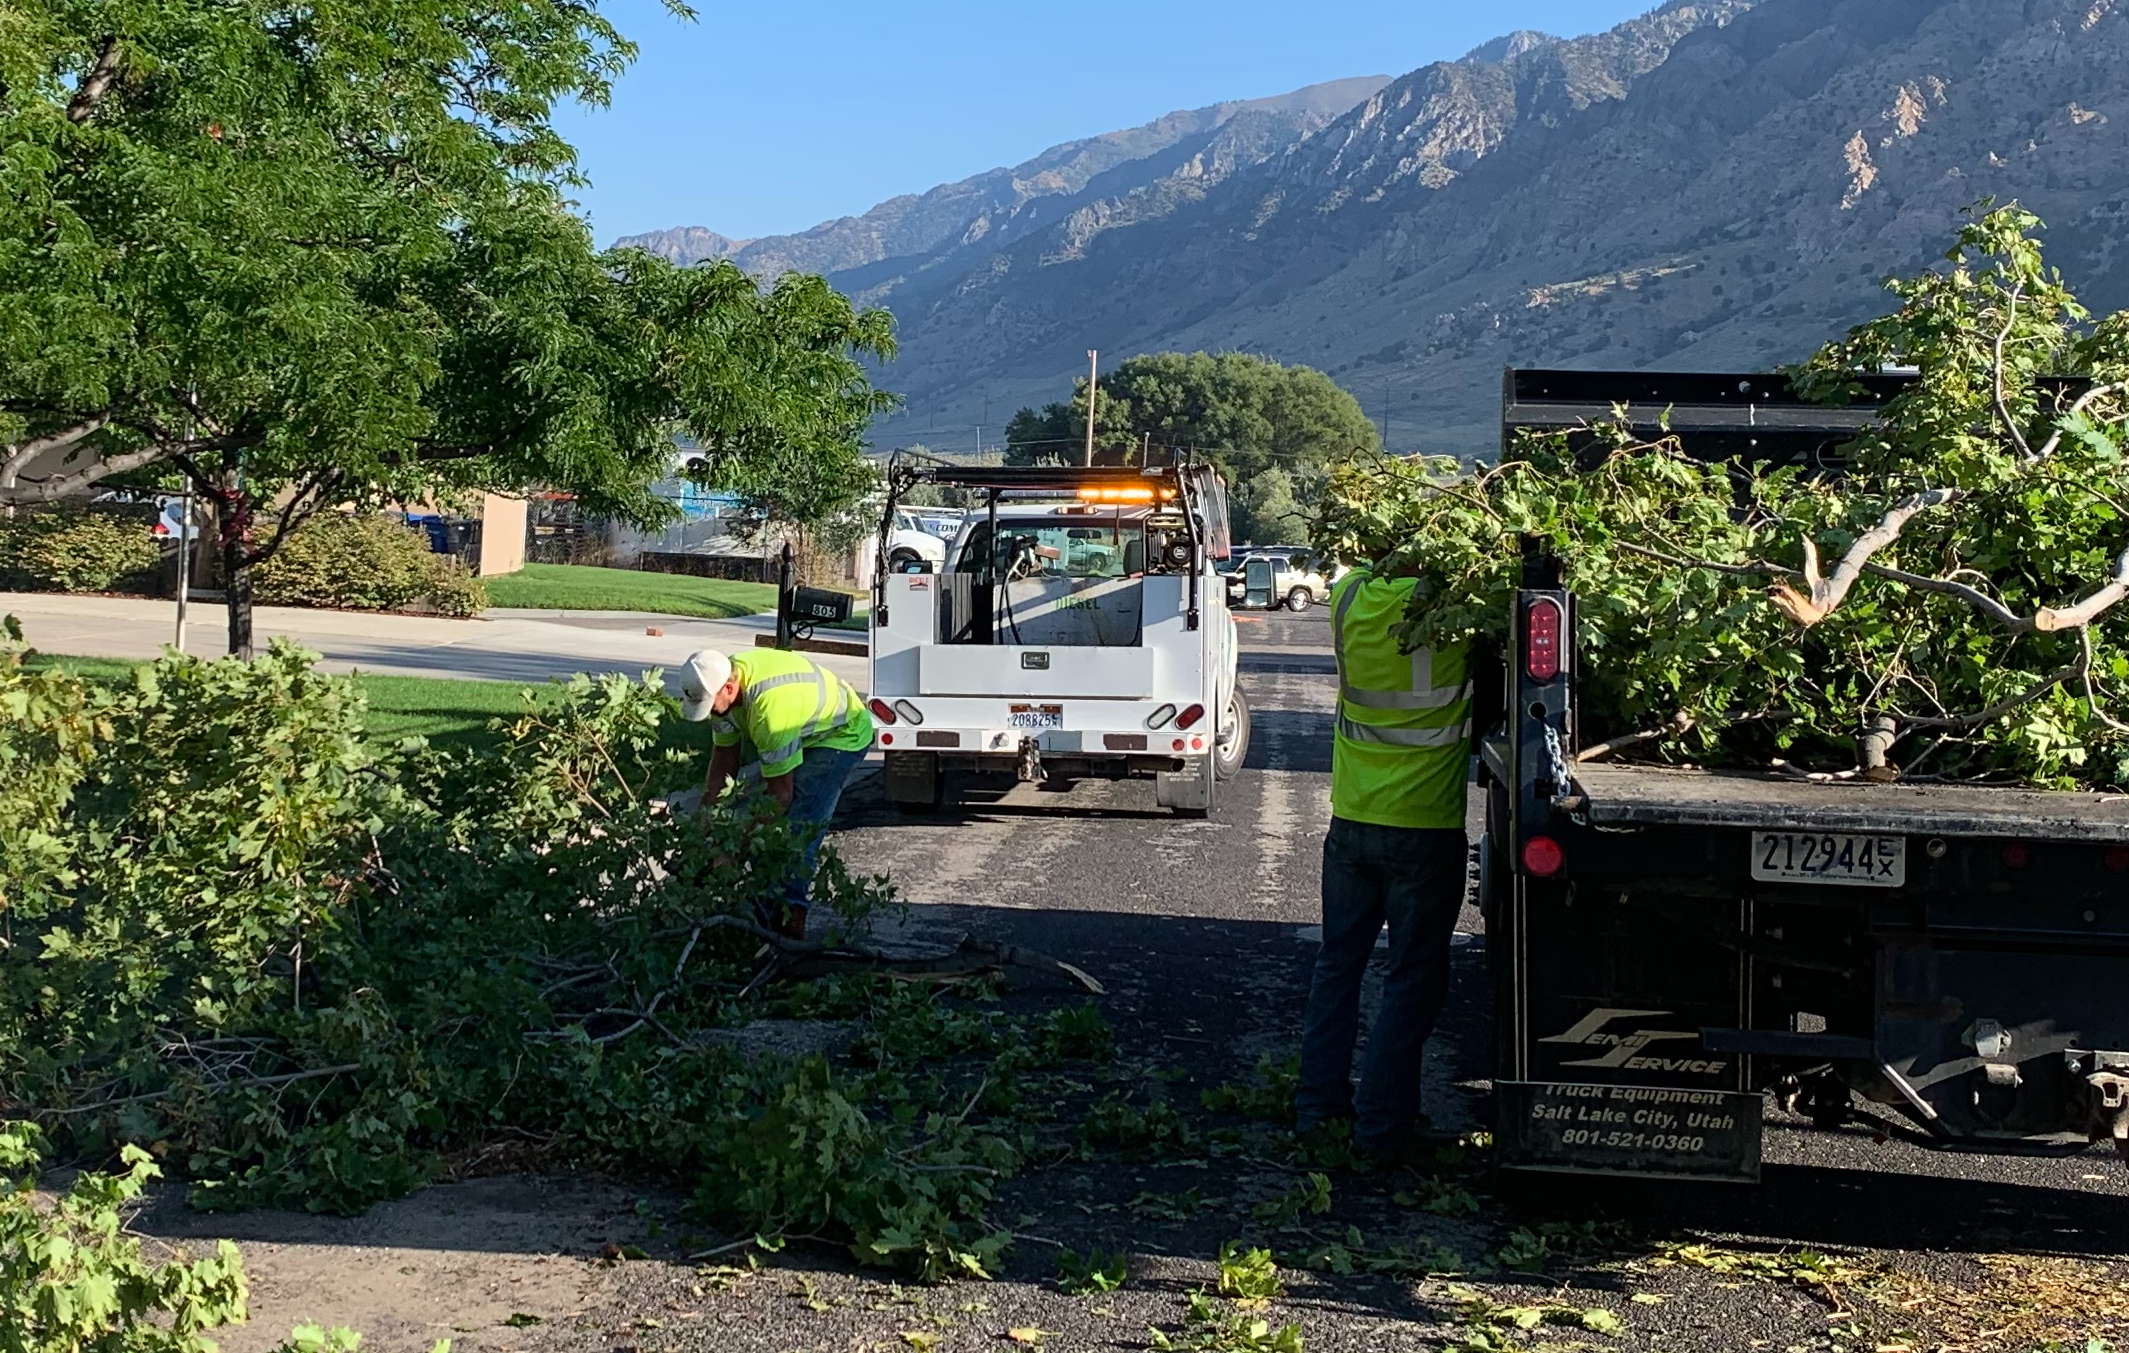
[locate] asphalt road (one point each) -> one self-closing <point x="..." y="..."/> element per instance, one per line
<point x="1201" y="929"/>
<point x="1202" y="932"/>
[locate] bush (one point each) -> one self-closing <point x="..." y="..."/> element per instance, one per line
<point x="372" y="563"/>
<point x="311" y="968"/>
<point x="72" y="549"/>
<point x="458" y="590"/>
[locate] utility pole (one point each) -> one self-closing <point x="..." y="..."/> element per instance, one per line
<point x="1093" y="393"/>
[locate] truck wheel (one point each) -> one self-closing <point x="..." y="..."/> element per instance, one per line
<point x="1300" y="599"/>
<point x="1230" y="747"/>
<point x="904" y="561"/>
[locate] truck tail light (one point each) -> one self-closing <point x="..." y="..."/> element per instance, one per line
<point x="909" y="712"/>
<point x="1542" y="857"/>
<point x="1542" y="624"/>
<point x="2117" y="859"/>
<point x="880" y="711"/>
<point x="1160" y="717"/>
<point x="1189" y="717"/>
<point x="2016" y="856"/>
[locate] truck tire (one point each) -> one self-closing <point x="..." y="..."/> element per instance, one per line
<point x="1300" y="599"/>
<point x="1230" y="746"/>
<point x="904" y="561"/>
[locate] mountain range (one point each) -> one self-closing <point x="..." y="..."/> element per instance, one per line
<point x="1718" y="184"/>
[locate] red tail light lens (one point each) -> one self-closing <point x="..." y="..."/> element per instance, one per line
<point x="880" y="710"/>
<point x="2016" y="856"/>
<point x="1189" y="717"/>
<point x="1542" y="626"/>
<point x="1543" y="857"/>
<point x="2117" y="858"/>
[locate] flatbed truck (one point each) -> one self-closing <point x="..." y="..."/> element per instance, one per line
<point x="1669" y="947"/>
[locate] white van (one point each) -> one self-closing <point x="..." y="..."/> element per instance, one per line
<point x="1077" y="630"/>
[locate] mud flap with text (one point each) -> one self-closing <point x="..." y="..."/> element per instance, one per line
<point x="1628" y="1130"/>
<point x="1188" y="790"/>
<point x="1602" y="997"/>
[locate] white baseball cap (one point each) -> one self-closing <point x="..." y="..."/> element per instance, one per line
<point x="701" y="677"/>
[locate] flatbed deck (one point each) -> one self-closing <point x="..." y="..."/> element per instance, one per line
<point x="1629" y="796"/>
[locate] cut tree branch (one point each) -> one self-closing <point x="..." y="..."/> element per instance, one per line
<point x="2049" y="620"/>
<point x="1974" y="597"/>
<point x="1681" y="724"/>
<point x="2084" y="401"/>
<point x="1827" y="593"/>
<point x="96" y="84"/>
<point x="2001" y="707"/>
<point x="2003" y="408"/>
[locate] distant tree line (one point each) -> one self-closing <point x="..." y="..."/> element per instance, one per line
<point x="1272" y="429"/>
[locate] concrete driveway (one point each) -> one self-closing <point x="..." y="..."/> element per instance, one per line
<point x="503" y="645"/>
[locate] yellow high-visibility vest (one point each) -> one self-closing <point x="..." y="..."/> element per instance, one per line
<point x="1401" y="756"/>
<point x="788" y="703"/>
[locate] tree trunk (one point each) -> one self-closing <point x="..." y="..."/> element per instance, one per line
<point x="234" y="523"/>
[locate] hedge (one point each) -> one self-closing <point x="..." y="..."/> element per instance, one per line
<point x="72" y="549"/>
<point x="373" y="563"/>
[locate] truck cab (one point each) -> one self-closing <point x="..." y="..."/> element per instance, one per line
<point x="1076" y="629"/>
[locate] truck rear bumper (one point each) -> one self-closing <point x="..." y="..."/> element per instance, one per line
<point x="1051" y="742"/>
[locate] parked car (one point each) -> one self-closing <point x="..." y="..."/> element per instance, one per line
<point x="911" y="548"/>
<point x="1296" y="579"/>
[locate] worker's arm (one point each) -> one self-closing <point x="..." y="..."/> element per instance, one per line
<point x="724" y="764"/>
<point x="779" y="788"/>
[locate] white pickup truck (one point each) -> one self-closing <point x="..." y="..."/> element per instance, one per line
<point x="1078" y="630"/>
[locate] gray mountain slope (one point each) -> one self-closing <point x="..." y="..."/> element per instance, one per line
<point x="988" y="210"/>
<point x="1714" y="185"/>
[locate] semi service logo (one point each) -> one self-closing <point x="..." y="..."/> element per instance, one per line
<point x="1624" y="1051"/>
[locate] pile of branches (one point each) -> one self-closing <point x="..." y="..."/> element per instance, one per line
<point x="315" y="972"/>
<point x="1947" y="606"/>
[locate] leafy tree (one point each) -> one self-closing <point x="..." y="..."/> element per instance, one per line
<point x="1248" y="413"/>
<point x="302" y="256"/>
<point x="1949" y="604"/>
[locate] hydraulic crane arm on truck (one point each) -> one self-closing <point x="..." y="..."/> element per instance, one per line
<point x="1668" y="946"/>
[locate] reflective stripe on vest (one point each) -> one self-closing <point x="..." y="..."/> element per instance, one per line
<point x="1454" y="735"/>
<point x="824" y="720"/>
<point x="1423" y="693"/>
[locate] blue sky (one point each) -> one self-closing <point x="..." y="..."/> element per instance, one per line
<point x="768" y="118"/>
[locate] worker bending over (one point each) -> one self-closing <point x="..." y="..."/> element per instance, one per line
<point x="1395" y="854"/>
<point x="804" y="723"/>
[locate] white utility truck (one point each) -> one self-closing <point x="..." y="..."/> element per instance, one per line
<point x="1077" y="630"/>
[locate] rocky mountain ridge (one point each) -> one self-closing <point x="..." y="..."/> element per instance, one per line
<point x="1716" y="185"/>
<point x="1175" y="155"/>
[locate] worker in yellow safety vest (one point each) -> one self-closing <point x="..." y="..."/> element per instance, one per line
<point x="806" y="726"/>
<point x="1395" y="855"/>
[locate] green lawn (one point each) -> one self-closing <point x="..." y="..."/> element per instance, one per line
<point x="580" y="587"/>
<point x="447" y="713"/>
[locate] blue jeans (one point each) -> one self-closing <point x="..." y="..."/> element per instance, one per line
<point x="816" y="786"/>
<point x="1413" y="880"/>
